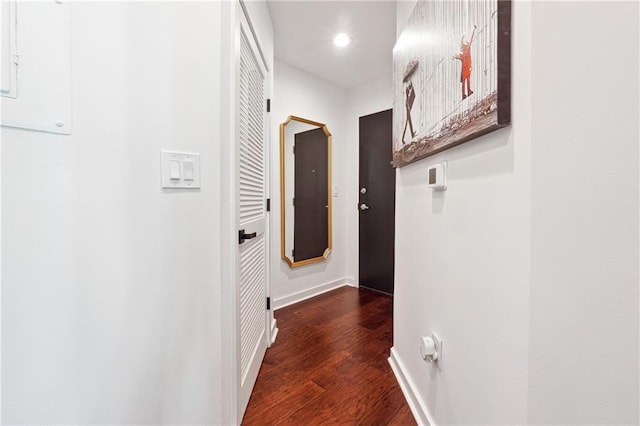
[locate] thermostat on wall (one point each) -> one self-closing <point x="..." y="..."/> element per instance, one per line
<point x="437" y="176"/>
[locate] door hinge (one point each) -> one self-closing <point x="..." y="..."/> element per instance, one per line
<point x="294" y="149"/>
<point x="268" y="204"/>
<point x="293" y="201"/>
<point x="268" y="303"/>
<point x="268" y="105"/>
<point x="293" y="253"/>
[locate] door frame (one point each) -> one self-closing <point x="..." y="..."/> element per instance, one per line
<point x="232" y="14"/>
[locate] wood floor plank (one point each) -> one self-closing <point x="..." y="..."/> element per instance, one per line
<point x="349" y="376"/>
<point x="403" y="417"/>
<point x="285" y="403"/>
<point x="329" y="365"/>
<point x="382" y="410"/>
<point x="321" y="411"/>
<point x="368" y="396"/>
<point x="278" y="380"/>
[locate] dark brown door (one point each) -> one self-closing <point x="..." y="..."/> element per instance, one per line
<point x="310" y="235"/>
<point x="377" y="203"/>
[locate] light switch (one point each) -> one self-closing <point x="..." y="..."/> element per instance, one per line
<point x="180" y="170"/>
<point x="187" y="168"/>
<point x="174" y="169"/>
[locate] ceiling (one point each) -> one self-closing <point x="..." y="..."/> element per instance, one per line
<point x="304" y="32"/>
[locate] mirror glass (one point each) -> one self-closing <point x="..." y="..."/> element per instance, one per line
<point x="305" y="191"/>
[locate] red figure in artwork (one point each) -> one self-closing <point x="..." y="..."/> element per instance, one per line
<point x="465" y="57"/>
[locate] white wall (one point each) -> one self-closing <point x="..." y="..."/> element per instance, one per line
<point x="462" y="260"/>
<point x="111" y="286"/>
<point x="526" y="266"/>
<point x="583" y="349"/>
<point x="1" y="285"/>
<point x="367" y="98"/>
<point x="298" y="93"/>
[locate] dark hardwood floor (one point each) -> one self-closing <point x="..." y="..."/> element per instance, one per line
<point x="329" y="365"/>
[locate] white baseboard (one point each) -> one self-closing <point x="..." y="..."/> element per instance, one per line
<point x="351" y="282"/>
<point x="418" y="408"/>
<point x="274" y="330"/>
<point x="299" y="296"/>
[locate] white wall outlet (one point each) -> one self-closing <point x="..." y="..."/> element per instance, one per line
<point x="428" y="349"/>
<point x="437" y="341"/>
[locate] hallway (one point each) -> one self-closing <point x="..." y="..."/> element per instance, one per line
<point x="329" y="364"/>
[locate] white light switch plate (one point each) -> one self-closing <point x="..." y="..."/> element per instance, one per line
<point x="189" y="169"/>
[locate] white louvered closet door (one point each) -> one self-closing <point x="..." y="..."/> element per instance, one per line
<point x="252" y="220"/>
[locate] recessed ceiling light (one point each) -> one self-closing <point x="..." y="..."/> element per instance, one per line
<point x="341" y="40"/>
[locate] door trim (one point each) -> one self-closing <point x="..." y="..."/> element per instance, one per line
<point x="232" y="12"/>
<point x="228" y="234"/>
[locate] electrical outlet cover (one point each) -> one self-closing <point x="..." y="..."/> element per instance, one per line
<point x="438" y="344"/>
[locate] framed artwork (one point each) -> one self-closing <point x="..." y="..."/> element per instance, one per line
<point x="452" y="76"/>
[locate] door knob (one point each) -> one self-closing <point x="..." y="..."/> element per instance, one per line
<point x="364" y="207"/>
<point x="363" y="190"/>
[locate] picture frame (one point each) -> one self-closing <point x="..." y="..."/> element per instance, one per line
<point x="452" y="76"/>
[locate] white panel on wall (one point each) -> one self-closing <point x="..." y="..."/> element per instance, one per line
<point x="8" y="59"/>
<point x="43" y="79"/>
